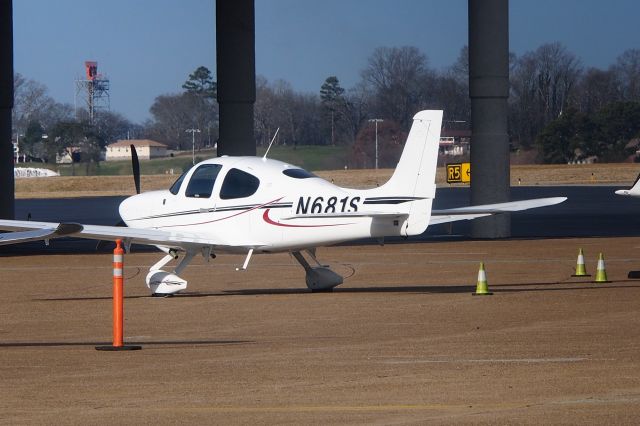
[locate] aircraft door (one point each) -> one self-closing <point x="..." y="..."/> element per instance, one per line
<point x="192" y="196"/>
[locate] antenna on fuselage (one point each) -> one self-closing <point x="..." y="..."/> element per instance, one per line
<point x="271" y="143"/>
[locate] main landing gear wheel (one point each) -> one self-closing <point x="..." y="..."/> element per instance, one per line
<point x="319" y="278"/>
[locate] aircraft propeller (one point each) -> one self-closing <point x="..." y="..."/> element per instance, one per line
<point x="135" y="166"/>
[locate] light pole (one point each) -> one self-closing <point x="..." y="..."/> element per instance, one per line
<point x="193" y="143"/>
<point x="376" y="120"/>
<point x="17" y="148"/>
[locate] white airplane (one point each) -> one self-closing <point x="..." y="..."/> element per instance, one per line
<point x="258" y="205"/>
<point x="634" y="191"/>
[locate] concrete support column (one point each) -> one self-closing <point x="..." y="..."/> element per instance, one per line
<point x="235" y="57"/>
<point x="489" y="90"/>
<point x="7" y="190"/>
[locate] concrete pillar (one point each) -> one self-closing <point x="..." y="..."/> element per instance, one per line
<point x="489" y="90"/>
<point x="7" y="190"/>
<point x="236" y="75"/>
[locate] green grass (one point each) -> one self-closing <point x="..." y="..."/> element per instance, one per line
<point x="309" y="157"/>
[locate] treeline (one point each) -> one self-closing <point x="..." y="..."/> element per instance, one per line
<point x="558" y="107"/>
<point x="551" y="92"/>
<point x="547" y="84"/>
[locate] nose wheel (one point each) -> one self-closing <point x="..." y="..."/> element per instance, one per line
<point x="163" y="283"/>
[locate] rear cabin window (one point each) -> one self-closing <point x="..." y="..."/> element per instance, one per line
<point x="238" y="184"/>
<point x="298" y="173"/>
<point x="202" y="180"/>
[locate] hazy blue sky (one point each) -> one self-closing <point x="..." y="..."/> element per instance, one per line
<point x="148" y="47"/>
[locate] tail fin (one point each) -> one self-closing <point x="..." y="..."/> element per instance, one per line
<point x="416" y="171"/>
<point x="415" y="174"/>
<point x="634" y="191"/>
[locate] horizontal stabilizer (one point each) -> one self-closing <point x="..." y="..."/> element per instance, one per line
<point x="472" y="212"/>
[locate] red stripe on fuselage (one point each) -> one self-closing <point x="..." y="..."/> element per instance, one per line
<point x="270" y="221"/>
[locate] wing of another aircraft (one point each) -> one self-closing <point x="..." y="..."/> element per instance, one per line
<point x="33" y="231"/>
<point x="472" y="212"/>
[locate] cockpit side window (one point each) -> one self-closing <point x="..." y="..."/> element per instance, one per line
<point x="176" y="185"/>
<point x="202" y="180"/>
<point x="238" y="184"/>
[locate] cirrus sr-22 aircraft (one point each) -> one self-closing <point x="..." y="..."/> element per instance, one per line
<point x="257" y="205"/>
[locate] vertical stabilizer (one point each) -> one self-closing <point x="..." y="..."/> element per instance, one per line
<point x="634" y="191"/>
<point x="415" y="175"/>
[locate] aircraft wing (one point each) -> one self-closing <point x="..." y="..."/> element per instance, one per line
<point x="44" y="233"/>
<point x="473" y="212"/>
<point x="33" y="231"/>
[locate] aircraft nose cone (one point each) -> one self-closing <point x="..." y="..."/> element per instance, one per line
<point x="133" y="207"/>
<point x="143" y="205"/>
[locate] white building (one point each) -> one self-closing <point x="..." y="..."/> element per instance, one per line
<point x="145" y="148"/>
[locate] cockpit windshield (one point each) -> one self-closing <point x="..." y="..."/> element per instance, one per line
<point x="176" y="185"/>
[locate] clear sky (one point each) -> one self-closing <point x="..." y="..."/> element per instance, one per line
<point x="148" y="47"/>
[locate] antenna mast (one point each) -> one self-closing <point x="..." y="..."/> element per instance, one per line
<point x="94" y="89"/>
<point x="271" y="143"/>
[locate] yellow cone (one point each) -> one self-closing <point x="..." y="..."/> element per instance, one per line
<point x="601" y="273"/>
<point x="581" y="271"/>
<point x="482" y="289"/>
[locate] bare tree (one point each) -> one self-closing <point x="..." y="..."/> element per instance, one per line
<point x="542" y="85"/>
<point x="111" y="126"/>
<point x="357" y="108"/>
<point x="627" y="72"/>
<point x="401" y="80"/>
<point x="596" y="89"/>
<point x="173" y="114"/>
<point x="298" y="115"/>
<point x="558" y="71"/>
<point x="263" y="111"/>
<point x="31" y="102"/>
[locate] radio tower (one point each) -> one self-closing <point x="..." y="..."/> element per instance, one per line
<point x="94" y="90"/>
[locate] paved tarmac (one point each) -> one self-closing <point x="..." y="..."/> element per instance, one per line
<point x="403" y="341"/>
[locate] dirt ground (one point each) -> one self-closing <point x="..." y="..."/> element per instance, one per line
<point x="577" y="174"/>
<point x="402" y="341"/>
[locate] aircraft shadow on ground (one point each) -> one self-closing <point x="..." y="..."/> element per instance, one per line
<point x="151" y="343"/>
<point x="385" y="289"/>
<point x="427" y="289"/>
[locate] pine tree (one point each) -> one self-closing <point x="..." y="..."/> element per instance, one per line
<point x="331" y="98"/>
<point x="201" y="82"/>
